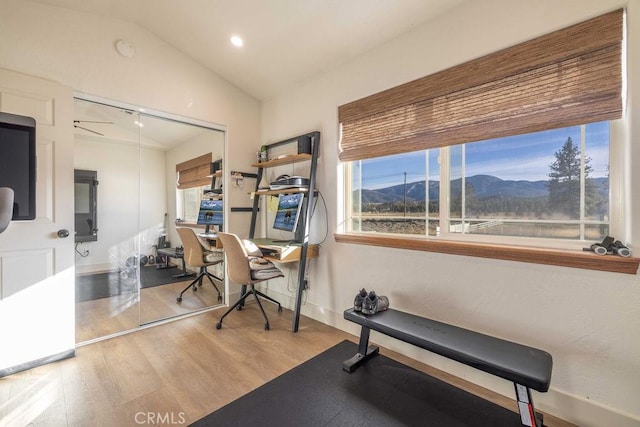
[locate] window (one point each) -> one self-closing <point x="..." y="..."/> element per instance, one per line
<point x="544" y="109"/>
<point x="194" y="177"/>
<point x="549" y="184"/>
<point x="190" y="198"/>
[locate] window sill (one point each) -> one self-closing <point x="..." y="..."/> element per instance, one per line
<point x="585" y="260"/>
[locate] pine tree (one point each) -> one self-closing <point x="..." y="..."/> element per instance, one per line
<point x="564" y="182"/>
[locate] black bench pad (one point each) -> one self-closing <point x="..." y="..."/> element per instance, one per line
<point x="521" y="364"/>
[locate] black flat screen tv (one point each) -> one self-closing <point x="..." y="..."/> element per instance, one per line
<point x="18" y="162"/>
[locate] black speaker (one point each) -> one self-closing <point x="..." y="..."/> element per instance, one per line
<point x="304" y="145"/>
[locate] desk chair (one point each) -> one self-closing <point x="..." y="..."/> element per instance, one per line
<point x="6" y="207"/>
<point x="196" y="256"/>
<point x="248" y="270"/>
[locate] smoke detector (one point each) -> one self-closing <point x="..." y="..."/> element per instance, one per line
<point x="125" y="48"/>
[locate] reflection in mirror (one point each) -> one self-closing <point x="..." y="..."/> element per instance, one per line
<point x="86" y="205"/>
<point x="106" y="141"/>
<point x="131" y="274"/>
<point x="189" y="152"/>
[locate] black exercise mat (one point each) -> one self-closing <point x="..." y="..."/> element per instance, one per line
<point x="104" y="285"/>
<point x="382" y="392"/>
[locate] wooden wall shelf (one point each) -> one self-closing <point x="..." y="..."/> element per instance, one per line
<point x="284" y="191"/>
<point x="287" y="160"/>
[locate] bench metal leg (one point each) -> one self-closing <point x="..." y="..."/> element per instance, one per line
<point x="364" y="352"/>
<point x="528" y="415"/>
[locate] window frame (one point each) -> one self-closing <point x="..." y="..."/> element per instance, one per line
<point x="194" y="174"/>
<point x="546" y="251"/>
<point x="180" y="202"/>
<point x="418" y="115"/>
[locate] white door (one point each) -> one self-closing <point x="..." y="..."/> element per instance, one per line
<point x="36" y="266"/>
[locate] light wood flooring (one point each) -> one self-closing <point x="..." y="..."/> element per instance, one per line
<point x="106" y="316"/>
<point x="176" y="372"/>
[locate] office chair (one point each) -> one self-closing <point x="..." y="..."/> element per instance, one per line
<point x="248" y="270"/>
<point x="6" y="207"/>
<point x="196" y="256"/>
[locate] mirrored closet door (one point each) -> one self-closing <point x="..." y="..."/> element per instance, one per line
<point x="129" y="266"/>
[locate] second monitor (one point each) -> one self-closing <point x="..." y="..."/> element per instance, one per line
<point x="211" y="213"/>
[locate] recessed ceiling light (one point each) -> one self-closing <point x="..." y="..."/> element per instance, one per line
<point x="236" y="41"/>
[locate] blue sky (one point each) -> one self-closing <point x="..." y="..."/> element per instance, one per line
<point x="522" y="157"/>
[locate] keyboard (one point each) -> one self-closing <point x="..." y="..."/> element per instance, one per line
<point x="209" y="235"/>
<point x="268" y="252"/>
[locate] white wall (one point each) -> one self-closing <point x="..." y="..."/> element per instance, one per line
<point x="587" y="320"/>
<point x="77" y="49"/>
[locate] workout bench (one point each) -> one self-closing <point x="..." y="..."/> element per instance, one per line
<point x="527" y="367"/>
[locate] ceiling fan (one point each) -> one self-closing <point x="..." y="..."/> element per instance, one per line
<point x="76" y="124"/>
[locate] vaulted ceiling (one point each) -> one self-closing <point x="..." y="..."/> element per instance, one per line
<point x="286" y="42"/>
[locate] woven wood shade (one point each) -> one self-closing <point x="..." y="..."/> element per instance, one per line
<point x="193" y="173"/>
<point x="568" y="77"/>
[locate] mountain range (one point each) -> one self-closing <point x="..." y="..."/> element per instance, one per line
<point x="484" y="186"/>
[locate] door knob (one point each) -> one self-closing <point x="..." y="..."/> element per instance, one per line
<point x="63" y="233"/>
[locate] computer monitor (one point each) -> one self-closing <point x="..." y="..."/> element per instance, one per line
<point x="210" y="213"/>
<point x="288" y="214"/>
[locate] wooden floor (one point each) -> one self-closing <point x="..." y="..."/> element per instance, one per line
<point x="175" y="373"/>
<point x="105" y="316"/>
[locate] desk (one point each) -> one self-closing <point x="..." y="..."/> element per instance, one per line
<point x="212" y="238"/>
<point x="173" y="253"/>
<point x="282" y="252"/>
<point x="279" y="251"/>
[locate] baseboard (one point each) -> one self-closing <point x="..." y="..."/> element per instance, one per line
<point x="38" y="362"/>
<point x="571" y="408"/>
<point x="93" y="268"/>
<point x="581" y="411"/>
<point x="234" y="296"/>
